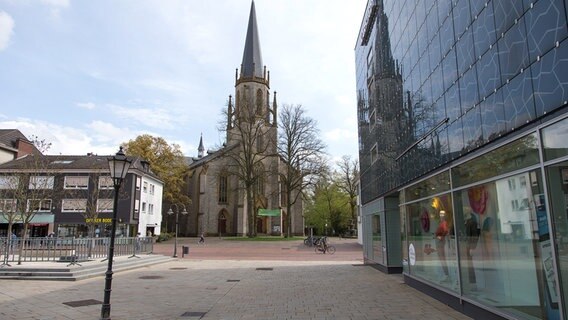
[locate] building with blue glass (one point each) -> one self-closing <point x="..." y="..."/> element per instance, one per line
<point x="463" y="148"/>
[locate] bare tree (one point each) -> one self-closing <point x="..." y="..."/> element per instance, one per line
<point x="302" y="153"/>
<point x="347" y="177"/>
<point x="250" y="149"/>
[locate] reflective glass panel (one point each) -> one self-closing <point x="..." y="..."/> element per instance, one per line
<point x="377" y="239"/>
<point x="504" y="246"/>
<point x="493" y="117"/>
<point x="433" y="185"/>
<point x="550" y="79"/>
<point x="554" y="141"/>
<point x="519" y="103"/>
<point x="431" y="241"/>
<point x="513" y="156"/>
<point x="557" y="179"/>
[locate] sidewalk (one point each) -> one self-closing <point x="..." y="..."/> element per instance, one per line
<point x="229" y="289"/>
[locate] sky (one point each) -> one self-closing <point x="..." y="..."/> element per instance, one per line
<point x="87" y="76"/>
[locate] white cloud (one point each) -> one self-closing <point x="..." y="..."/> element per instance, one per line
<point x="86" y="105"/>
<point x="150" y="117"/>
<point x="69" y="140"/>
<point x="56" y="3"/>
<point x="6" y="29"/>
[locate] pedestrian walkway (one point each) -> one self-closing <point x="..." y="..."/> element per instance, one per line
<point x="229" y="289"/>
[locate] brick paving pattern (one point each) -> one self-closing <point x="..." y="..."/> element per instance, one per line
<point x="222" y="280"/>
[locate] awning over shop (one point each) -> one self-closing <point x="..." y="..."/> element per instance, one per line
<point x="40" y="218"/>
<point x="269" y="212"/>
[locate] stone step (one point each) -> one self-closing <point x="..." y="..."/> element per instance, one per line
<point x="85" y="270"/>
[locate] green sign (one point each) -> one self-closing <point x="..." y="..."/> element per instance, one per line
<point x="269" y="212"/>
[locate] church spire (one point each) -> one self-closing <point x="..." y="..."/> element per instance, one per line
<point x="252" y="58"/>
<point x="201" y="149"/>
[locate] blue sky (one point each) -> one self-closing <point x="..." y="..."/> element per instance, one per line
<point x="89" y="75"/>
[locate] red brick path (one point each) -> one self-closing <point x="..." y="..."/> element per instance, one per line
<point x="219" y="249"/>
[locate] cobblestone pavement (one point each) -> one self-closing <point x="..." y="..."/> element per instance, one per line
<point x="210" y="283"/>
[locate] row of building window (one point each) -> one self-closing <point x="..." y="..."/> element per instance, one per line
<point x="45" y="205"/>
<point x="47" y="182"/>
<point x="146" y="187"/>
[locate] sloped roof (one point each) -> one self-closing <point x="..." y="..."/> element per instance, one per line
<point x="71" y="163"/>
<point x="10" y="137"/>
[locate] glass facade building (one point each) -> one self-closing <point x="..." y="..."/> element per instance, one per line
<point x="463" y="148"/>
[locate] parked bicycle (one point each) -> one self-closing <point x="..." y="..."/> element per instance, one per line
<point x="310" y="241"/>
<point x="323" y="247"/>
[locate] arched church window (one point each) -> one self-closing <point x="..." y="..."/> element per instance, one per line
<point x="223" y="188"/>
<point x="237" y="102"/>
<point x="259" y="101"/>
<point x="260" y="181"/>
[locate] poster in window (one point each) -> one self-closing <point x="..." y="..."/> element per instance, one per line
<point x="565" y="176"/>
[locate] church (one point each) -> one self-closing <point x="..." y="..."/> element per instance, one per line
<point x="220" y="202"/>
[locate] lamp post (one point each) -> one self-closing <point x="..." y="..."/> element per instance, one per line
<point x="170" y="212"/>
<point x="119" y="165"/>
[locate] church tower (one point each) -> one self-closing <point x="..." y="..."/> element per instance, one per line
<point x="252" y="90"/>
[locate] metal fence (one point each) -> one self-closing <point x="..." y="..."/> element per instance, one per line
<point x="70" y="249"/>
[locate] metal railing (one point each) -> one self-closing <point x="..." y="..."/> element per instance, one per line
<point x="70" y="249"/>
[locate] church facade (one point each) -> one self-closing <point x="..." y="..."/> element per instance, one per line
<point x="216" y="178"/>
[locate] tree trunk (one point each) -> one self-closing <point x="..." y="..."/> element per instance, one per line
<point x="250" y="214"/>
<point x="22" y="243"/>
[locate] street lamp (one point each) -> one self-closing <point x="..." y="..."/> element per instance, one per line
<point x="119" y="165"/>
<point x="176" y="211"/>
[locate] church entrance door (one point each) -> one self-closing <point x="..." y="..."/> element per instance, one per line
<point x="222" y="225"/>
<point x="260" y="225"/>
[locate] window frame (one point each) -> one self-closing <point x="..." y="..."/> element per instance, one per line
<point x="77" y="209"/>
<point x="76" y="186"/>
<point x="42" y="206"/>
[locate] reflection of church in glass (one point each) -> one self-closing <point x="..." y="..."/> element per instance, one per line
<point x="466" y="102"/>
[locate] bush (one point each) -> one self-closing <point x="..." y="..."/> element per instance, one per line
<point x="164" y="237"/>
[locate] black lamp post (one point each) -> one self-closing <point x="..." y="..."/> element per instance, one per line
<point x="119" y="165"/>
<point x="170" y="212"/>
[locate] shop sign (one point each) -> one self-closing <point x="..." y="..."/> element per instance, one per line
<point x="99" y="220"/>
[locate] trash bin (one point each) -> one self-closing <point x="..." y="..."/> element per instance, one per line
<point x="184" y="250"/>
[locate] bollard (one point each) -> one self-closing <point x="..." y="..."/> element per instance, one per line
<point x="184" y="250"/>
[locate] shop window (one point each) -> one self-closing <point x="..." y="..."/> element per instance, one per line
<point x="76" y="182"/>
<point x="431" y="241"/>
<point x="504" y="242"/>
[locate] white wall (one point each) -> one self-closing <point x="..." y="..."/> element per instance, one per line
<point x="146" y="218"/>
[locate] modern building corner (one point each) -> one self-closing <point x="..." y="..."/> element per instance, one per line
<point x="462" y="117"/>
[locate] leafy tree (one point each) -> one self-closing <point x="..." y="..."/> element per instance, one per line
<point x="166" y="161"/>
<point x="327" y="207"/>
<point x="347" y="178"/>
<point x="302" y="152"/>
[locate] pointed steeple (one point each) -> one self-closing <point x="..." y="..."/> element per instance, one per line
<point x="201" y="149"/>
<point x="252" y="58"/>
